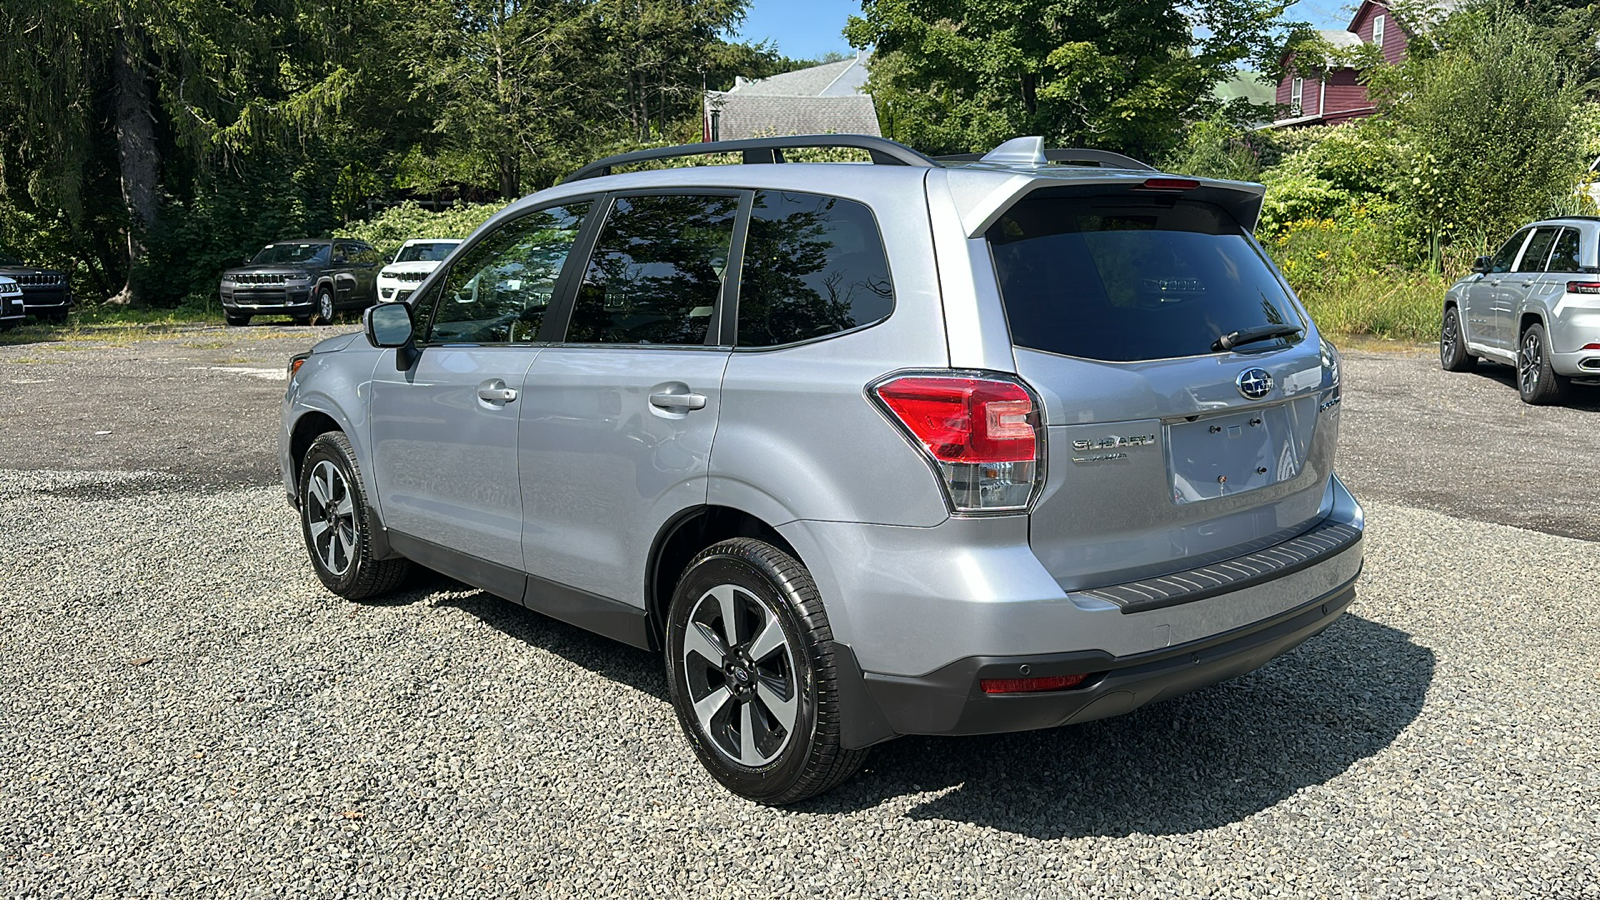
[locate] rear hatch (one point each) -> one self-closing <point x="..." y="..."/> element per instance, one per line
<point x="1189" y="404"/>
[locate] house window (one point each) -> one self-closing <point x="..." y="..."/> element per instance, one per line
<point x="1377" y="31"/>
<point x="1297" y="92"/>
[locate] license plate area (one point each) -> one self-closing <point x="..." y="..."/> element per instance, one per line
<point x="1230" y="454"/>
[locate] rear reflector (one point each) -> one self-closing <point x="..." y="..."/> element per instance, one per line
<point x="1583" y="287"/>
<point x="1030" y="685"/>
<point x="983" y="435"/>
<point x="1170" y="184"/>
<point x="1591" y="346"/>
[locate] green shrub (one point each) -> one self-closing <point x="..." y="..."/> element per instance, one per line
<point x="387" y="230"/>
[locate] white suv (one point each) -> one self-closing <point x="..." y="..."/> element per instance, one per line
<point x="415" y="260"/>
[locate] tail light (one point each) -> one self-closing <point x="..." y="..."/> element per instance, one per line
<point x="982" y="434"/>
<point x="1583" y="287"/>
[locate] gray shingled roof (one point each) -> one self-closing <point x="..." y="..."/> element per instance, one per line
<point x="825" y="99"/>
<point x="759" y="116"/>
<point x="844" y="78"/>
<point x="1340" y="37"/>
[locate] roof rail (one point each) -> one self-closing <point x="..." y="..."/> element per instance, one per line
<point x="884" y="152"/>
<point x="1104" y="158"/>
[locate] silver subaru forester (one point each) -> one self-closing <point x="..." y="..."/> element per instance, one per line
<point x="909" y="447"/>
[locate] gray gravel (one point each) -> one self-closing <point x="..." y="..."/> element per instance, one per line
<point x="1439" y="741"/>
<point x="185" y="712"/>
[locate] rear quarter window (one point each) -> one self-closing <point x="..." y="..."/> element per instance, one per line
<point x="813" y="266"/>
<point x="1128" y="278"/>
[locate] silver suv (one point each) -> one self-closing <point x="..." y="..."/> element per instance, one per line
<point x="865" y="450"/>
<point x="1534" y="304"/>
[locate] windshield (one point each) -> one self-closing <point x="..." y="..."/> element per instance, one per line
<point x="1126" y="278"/>
<point x="283" y="254"/>
<point x="430" y="251"/>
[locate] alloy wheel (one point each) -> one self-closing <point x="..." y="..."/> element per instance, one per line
<point x="325" y="307"/>
<point x="1448" y="337"/>
<point x="331" y="517"/>
<point x="1529" y="362"/>
<point x="739" y="668"/>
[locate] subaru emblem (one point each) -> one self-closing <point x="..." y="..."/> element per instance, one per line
<point x="1254" y="383"/>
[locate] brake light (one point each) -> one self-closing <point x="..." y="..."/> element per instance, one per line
<point x="1170" y="184"/>
<point x="1030" y="685"/>
<point x="1583" y="287"/>
<point x="982" y="435"/>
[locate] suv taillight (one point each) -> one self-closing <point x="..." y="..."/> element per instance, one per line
<point x="982" y="433"/>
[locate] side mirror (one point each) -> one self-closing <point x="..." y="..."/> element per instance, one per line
<point x="389" y="325"/>
<point x="1481" y="265"/>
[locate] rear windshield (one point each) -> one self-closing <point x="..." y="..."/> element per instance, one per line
<point x="1131" y="278"/>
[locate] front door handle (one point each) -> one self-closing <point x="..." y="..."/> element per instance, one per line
<point x="667" y="400"/>
<point x="496" y="392"/>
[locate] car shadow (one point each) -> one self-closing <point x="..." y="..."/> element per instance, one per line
<point x="1196" y="762"/>
<point x="1585" y="397"/>
<point x="638" y="669"/>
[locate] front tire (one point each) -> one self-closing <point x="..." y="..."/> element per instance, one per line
<point x="325" y="310"/>
<point x="236" y="320"/>
<point x="752" y="676"/>
<point x="1453" y="355"/>
<point x="1537" y="382"/>
<point x="336" y="523"/>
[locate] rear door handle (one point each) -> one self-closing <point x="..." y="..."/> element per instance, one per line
<point x="668" y="400"/>
<point x="496" y="392"/>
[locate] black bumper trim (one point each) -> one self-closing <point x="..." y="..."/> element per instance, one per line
<point x="949" y="700"/>
<point x="1320" y="543"/>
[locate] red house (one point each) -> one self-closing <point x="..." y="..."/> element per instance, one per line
<point x="1333" y="95"/>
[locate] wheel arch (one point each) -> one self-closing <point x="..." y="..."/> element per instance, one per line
<point x="1531" y="317"/>
<point x="685" y="535"/>
<point x="316" y="420"/>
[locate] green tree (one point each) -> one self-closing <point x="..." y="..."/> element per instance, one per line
<point x="960" y="75"/>
<point x="1483" y="123"/>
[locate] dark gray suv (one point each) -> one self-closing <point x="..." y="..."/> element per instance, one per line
<point x="863" y="450"/>
<point x="45" y="293"/>
<point x="304" y="278"/>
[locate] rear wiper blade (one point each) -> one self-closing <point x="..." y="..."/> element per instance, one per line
<point x="1250" y="335"/>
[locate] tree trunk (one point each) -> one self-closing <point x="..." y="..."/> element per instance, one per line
<point x="138" y="157"/>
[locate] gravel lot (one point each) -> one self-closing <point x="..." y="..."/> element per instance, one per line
<point x="186" y="711"/>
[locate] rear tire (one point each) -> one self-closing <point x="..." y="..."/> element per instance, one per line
<point x="1453" y="355"/>
<point x="752" y="677"/>
<point x="336" y="523"/>
<point x="1537" y="382"/>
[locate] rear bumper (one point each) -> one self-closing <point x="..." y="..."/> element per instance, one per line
<point x="950" y="701"/>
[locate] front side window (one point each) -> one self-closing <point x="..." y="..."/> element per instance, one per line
<point x="499" y="292"/>
<point x="813" y="266"/>
<point x="1538" y="249"/>
<point x="656" y="273"/>
<point x="1564" y="255"/>
<point x="1125" y="277"/>
<point x="1507" y="254"/>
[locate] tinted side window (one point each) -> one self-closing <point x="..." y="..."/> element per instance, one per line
<point x="1533" y="258"/>
<point x="1125" y="278"/>
<point x="499" y="292"/>
<point x="813" y="266"/>
<point x="1507" y="254"/>
<point x="656" y="273"/>
<point x="1564" y="256"/>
